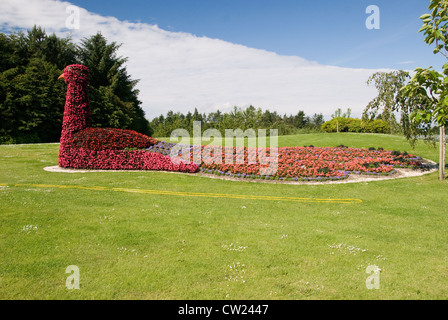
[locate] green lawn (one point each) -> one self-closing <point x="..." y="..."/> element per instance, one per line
<point x="154" y="246"/>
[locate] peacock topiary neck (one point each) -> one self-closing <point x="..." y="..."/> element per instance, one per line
<point x="77" y="106"/>
<point x="76" y="111"/>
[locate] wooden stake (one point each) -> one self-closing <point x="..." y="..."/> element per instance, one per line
<point x="442" y="145"/>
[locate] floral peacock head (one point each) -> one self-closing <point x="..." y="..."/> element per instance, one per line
<point x="76" y="74"/>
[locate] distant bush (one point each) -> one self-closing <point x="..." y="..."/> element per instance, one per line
<point x="355" y="125"/>
<point x="381" y="126"/>
<point x="334" y="124"/>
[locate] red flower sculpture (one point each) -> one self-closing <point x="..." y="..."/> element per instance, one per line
<point x="83" y="147"/>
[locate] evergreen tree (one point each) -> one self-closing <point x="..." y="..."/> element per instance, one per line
<point x="300" y="120"/>
<point x="31" y="98"/>
<point x="113" y="97"/>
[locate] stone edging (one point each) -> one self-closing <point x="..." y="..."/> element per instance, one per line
<point x="353" y="178"/>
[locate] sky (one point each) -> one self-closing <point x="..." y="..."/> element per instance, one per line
<point x="327" y="31"/>
<point x="282" y="55"/>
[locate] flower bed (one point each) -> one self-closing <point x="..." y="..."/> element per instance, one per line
<point x="111" y="139"/>
<point x="299" y="163"/>
<point x="122" y="160"/>
<point x="84" y="147"/>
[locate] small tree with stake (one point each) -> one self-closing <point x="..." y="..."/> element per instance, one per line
<point x="428" y="83"/>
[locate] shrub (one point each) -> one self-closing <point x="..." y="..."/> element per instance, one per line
<point x="381" y="126"/>
<point x="333" y="124"/>
<point x="367" y="127"/>
<point x="355" y="125"/>
<point x="376" y="126"/>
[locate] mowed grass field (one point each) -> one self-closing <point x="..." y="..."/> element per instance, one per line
<point x="155" y="235"/>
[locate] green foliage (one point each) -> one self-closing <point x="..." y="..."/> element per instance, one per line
<point x="338" y="113"/>
<point x="432" y="86"/>
<point x="355" y="125"/>
<point x="435" y="26"/>
<point x="429" y="86"/>
<point x="31" y="98"/>
<point x="335" y="124"/>
<point x="238" y="118"/>
<point x="389" y="100"/>
<point x="377" y="126"/>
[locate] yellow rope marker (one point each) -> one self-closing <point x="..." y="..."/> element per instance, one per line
<point x="191" y="194"/>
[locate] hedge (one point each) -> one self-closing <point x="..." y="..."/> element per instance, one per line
<point x="355" y="125"/>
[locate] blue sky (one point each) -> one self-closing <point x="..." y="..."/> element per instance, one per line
<point x="281" y="55"/>
<point x="329" y="32"/>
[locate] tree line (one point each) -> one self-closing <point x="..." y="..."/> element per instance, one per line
<point x="32" y="99"/>
<point x="237" y="118"/>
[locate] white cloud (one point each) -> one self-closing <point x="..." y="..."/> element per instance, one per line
<point x="180" y="71"/>
<point x="406" y="62"/>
